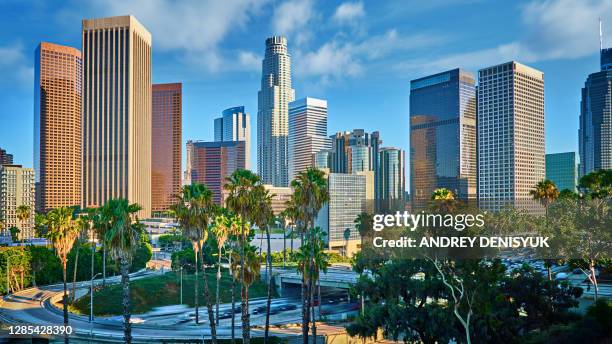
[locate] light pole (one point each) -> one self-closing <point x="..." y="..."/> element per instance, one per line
<point x="91" y="297"/>
<point x="181" y="285"/>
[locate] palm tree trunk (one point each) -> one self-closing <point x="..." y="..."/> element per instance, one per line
<point x="305" y="312"/>
<point x="592" y="268"/>
<point x="125" y="282"/>
<point x="233" y="302"/>
<point x="319" y="293"/>
<point x="269" y="302"/>
<point x="244" y="290"/>
<point x="76" y="266"/>
<point x="103" y="264"/>
<point x="211" y="313"/>
<point x="65" y="304"/>
<point x="284" y="246"/>
<point x="218" y="286"/>
<point x="196" y="300"/>
<point x="312" y="308"/>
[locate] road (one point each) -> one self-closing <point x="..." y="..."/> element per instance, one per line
<point x="33" y="306"/>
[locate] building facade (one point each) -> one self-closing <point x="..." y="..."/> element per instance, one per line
<point x="280" y="196"/>
<point x="166" y="144"/>
<point x="347" y="197"/>
<point x="235" y="125"/>
<point x="355" y="151"/>
<point x="116" y="112"/>
<point x="307" y="133"/>
<point x="5" y="158"/>
<point x="17" y="188"/>
<point x="595" y="132"/>
<point x="210" y="163"/>
<point x="57" y="126"/>
<point x="562" y="169"/>
<point x="443" y="135"/>
<point x="273" y="113"/>
<point x="510" y="135"/>
<point x="392" y="177"/>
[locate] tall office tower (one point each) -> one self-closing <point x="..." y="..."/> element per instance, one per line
<point x="355" y="151"/>
<point x="347" y="198"/>
<point x="443" y="135"/>
<point x="510" y="135"/>
<point x="116" y="112"/>
<point x="57" y="126"/>
<point x="166" y="141"/>
<point x="307" y="133"/>
<point x="5" y="158"/>
<point x="562" y="169"/>
<point x="273" y="113"/>
<point x="17" y="188"/>
<point x="210" y="163"/>
<point x="322" y="160"/>
<point x="235" y="125"/>
<point x="595" y="133"/>
<point x="392" y="176"/>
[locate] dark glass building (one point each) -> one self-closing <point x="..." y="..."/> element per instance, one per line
<point x="561" y="169"/>
<point x="595" y="133"/>
<point x="443" y="135"/>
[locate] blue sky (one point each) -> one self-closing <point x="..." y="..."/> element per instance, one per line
<point x="359" y="55"/>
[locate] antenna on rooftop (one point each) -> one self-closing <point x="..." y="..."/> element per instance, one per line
<point x="600" y="37"/>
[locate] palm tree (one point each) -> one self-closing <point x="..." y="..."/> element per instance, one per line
<point x="363" y="223"/>
<point x="221" y="230"/>
<point x="82" y="223"/>
<point x="235" y="230"/>
<point x="194" y="211"/>
<point x="62" y="234"/>
<point x="263" y="216"/>
<point x="545" y="192"/>
<point x="123" y="238"/>
<point x="310" y="194"/>
<point x="101" y="225"/>
<point x="241" y="186"/>
<point x="247" y="273"/>
<point x="23" y="213"/>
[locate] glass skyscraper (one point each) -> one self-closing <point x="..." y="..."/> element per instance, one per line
<point x="273" y="113"/>
<point x="561" y="169"/>
<point x="235" y="125"/>
<point x="595" y="133"/>
<point x="391" y="184"/>
<point x="443" y="135"/>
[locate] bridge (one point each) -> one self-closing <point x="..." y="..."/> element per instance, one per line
<point x="335" y="277"/>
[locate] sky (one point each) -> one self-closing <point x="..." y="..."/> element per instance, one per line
<point x="358" y="55"/>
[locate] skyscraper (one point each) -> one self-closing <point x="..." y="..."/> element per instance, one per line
<point x="5" y="158"/>
<point x="117" y="112"/>
<point x="307" y="133"/>
<point x="355" y="151"/>
<point x="57" y="126"/>
<point x="210" y="163"/>
<point x="561" y="169"/>
<point x="392" y="175"/>
<point x="443" y="135"/>
<point x="595" y="132"/>
<point x="510" y="135"/>
<point x="166" y="142"/>
<point x="273" y="112"/>
<point x="17" y="189"/>
<point x="235" y="125"/>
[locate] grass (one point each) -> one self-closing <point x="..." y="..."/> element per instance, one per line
<point x="164" y="290"/>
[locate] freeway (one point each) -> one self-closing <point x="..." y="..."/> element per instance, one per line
<point x="35" y="306"/>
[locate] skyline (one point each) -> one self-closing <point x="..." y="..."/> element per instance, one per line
<point x="354" y="91"/>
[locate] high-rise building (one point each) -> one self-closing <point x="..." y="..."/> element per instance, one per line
<point x="166" y="142"/>
<point x="355" y="151"/>
<point x="347" y="198"/>
<point x="210" y="163"/>
<point x="392" y="176"/>
<point x="443" y="135"/>
<point x="280" y="196"/>
<point x="510" y="135"/>
<point x="116" y="112"/>
<point x="322" y="160"/>
<point x="307" y="133"/>
<point x="17" y="188"/>
<point x="562" y="169"/>
<point x="273" y="113"/>
<point x="235" y="125"/>
<point x="57" y="126"/>
<point x="595" y="133"/>
<point x="5" y="158"/>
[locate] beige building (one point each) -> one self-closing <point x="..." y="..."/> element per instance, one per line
<point x="510" y="135"/>
<point x="57" y="126"/>
<point x="116" y="112"/>
<point x="280" y="196"/>
<point x="16" y="189"/>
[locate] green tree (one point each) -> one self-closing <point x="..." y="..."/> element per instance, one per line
<point x="221" y="231"/>
<point x="545" y="192"/>
<point x="14" y="233"/>
<point x="364" y="223"/>
<point x="23" y="213"/>
<point x="62" y="233"/>
<point x="123" y="238"/>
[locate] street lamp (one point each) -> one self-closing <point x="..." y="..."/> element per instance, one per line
<point x="91" y="290"/>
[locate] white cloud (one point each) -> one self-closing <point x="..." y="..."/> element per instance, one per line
<point x="348" y="12"/>
<point x="249" y="60"/>
<point x="194" y="27"/>
<point x="554" y="29"/>
<point x="15" y="67"/>
<point x="291" y="17"/>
